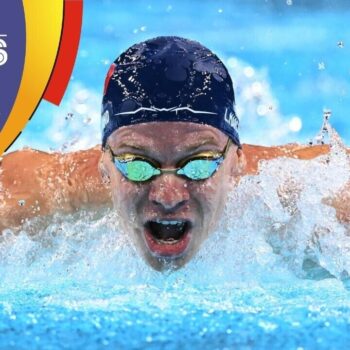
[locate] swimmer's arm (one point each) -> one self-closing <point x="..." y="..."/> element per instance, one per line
<point x="289" y="194"/>
<point x="254" y="154"/>
<point x="34" y="183"/>
<point x="341" y="202"/>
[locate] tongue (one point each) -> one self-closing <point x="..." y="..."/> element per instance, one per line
<point x="167" y="232"/>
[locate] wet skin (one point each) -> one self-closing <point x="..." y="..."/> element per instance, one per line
<point x="168" y="196"/>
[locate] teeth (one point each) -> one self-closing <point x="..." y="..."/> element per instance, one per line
<point x="167" y="232"/>
<point x="167" y="222"/>
<point x="167" y="241"/>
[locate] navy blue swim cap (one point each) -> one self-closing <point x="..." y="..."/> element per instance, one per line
<point x="168" y="79"/>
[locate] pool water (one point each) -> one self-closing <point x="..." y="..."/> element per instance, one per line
<point x="294" y="315"/>
<point x="274" y="275"/>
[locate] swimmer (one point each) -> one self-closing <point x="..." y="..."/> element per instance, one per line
<point x="170" y="153"/>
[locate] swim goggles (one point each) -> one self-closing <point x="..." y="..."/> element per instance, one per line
<point x="138" y="168"/>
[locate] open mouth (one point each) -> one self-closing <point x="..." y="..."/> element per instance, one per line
<point x="167" y="237"/>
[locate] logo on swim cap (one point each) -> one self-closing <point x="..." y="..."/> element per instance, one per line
<point x="169" y="79"/>
<point x="231" y="118"/>
<point x="171" y="109"/>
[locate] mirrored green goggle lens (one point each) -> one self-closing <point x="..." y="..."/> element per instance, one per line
<point x="136" y="170"/>
<point x="139" y="170"/>
<point x="199" y="169"/>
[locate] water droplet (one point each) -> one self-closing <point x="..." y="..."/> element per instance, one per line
<point x="326" y="114"/>
<point x="21" y="202"/>
<point x="321" y="66"/>
<point x="295" y="124"/>
<point x="320" y="138"/>
<point x="87" y="120"/>
<point x="276" y="226"/>
<point x="249" y="71"/>
<point x="69" y="116"/>
<point x="289" y="2"/>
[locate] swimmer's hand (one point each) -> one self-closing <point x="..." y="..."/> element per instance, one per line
<point x="341" y="202"/>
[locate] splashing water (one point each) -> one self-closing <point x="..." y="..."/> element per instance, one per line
<point x="274" y="274"/>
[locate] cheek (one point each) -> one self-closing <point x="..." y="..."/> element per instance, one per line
<point x="210" y="193"/>
<point x="126" y="195"/>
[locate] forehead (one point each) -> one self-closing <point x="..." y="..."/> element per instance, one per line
<point x="172" y="135"/>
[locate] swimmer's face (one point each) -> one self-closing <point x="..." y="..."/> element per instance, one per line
<point x="169" y="217"/>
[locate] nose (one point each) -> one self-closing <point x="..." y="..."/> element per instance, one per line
<point x="169" y="192"/>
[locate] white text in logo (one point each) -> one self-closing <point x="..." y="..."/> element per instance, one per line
<point x="3" y="52"/>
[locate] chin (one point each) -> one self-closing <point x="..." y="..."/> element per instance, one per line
<point x="164" y="263"/>
<point x="161" y="263"/>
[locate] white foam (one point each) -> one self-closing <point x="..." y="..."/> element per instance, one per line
<point x="266" y="234"/>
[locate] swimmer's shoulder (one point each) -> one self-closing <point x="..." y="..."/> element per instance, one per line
<point x="32" y="158"/>
<point x="255" y="153"/>
<point x="37" y="183"/>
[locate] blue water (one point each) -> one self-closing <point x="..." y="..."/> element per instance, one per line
<point x="274" y="274"/>
<point x="309" y="315"/>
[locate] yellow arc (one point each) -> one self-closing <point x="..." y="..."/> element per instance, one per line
<point x="43" y="32"/>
